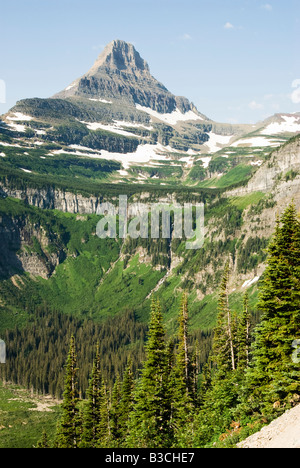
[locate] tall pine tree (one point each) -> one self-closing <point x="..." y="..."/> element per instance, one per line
<point x="126" y="402"/>
<point x="274" y="378"/>
<point x="243" y="335"/>
<point x="182" y="382"/>
<point x="224" y="344"/>
<point x="182" y="379"/>
<point x="92" y="413"/>
<point x="69" y="428"/>
<point x="150" y="418"/>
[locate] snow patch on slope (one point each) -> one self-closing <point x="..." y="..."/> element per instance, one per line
<point x="18" y="116"/>
<point x="255" y="142"/>
<point x="172" y="118"/>
<point x="100" y="100"/>
<point x="143" y="154"/>
<point x="250" y="282"/>
<point x="216" y="141"/>
<point x="116" y="127"/>
<point x="290" y="124"/>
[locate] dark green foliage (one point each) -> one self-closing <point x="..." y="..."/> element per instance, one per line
<point x="169" y="405"/>
<point x="150" y="420"/>
<point x="93" y="408"/>
<point x="63" y="165"/>
<point x="224" y="343"/>
<point x="251" y="254"/>
<point x="36" y="353"/>
<point x="149" y="414"/>
<point x="123" y="407"/>
<point x="183" y="376"/>
<point x="265" y="381"/>
<point x="218" y="164"/>
<point x="69" y="427"/>
<point x="43" y="443"/>
<point x="244" y="335"/>
<point x="274" y="376"/>
<point x="198" y="172"/>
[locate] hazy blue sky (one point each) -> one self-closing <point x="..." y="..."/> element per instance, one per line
<point x="237" y="60"/>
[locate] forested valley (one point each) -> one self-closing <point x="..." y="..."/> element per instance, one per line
<point x="249" y="378"/>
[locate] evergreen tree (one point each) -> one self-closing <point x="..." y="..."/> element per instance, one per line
<point x="182" y="379"/>
<point x="195" y="371"/>
<point x="150" y="419"/>
<point x="205" y="383"/>
<point x="92" y="413"/>
<point x="103" y="429"/>
<point x="224" y="339"/>
<point x="273" y="376"/>
<point x="69" y="429"/>
<point x="243" y="335"/>
<point x="183" y="363"/>
<point x="126" y="401"/>
<point x="182" y="383"/>
<point x="115" y="411"/>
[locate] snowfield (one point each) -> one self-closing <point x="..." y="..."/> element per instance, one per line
<point x="17" y="127"/>
<point x="172" y="118"/>
<point x="18" y="116"/>
<point x="250" y="282"/>
<point x="116" y="127"/>
<point x="143" y="154"/>
<point x="206" y="161"/>
<point x="100" y="100"/>
<point x="290" y="125"/>
<point x="256" y="141"/>
<point x="70" y="87"/>
<point x="216" y="141"/>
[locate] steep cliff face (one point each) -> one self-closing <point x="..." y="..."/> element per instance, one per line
<point x="75" y="203"/>
<point x="282" y="161"/>
<point x="50" y="199"/>
<point x="279" y="175"/>
<point x="25" y="247"/>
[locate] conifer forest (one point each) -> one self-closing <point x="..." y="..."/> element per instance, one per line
<point x="178" y="400"/>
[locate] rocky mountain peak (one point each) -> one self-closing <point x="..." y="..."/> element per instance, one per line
<point x="121" y="74"/>
<point x="122" y="56"/>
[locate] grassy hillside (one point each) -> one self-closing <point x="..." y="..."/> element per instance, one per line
<point x="23" y="417"/>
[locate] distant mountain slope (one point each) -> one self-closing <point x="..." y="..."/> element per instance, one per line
<point x="118" y="112"/>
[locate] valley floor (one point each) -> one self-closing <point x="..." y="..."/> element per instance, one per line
<point x="24" y="416"/>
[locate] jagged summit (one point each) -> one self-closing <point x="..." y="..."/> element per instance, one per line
<point x="120" y="55"/>
<point x="120" y="73"/>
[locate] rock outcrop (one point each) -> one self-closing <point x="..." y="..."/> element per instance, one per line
<point x="24" y="247"/>
<point x="279" y="175"/>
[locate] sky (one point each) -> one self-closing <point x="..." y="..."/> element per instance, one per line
<point x="238" y="61"/>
